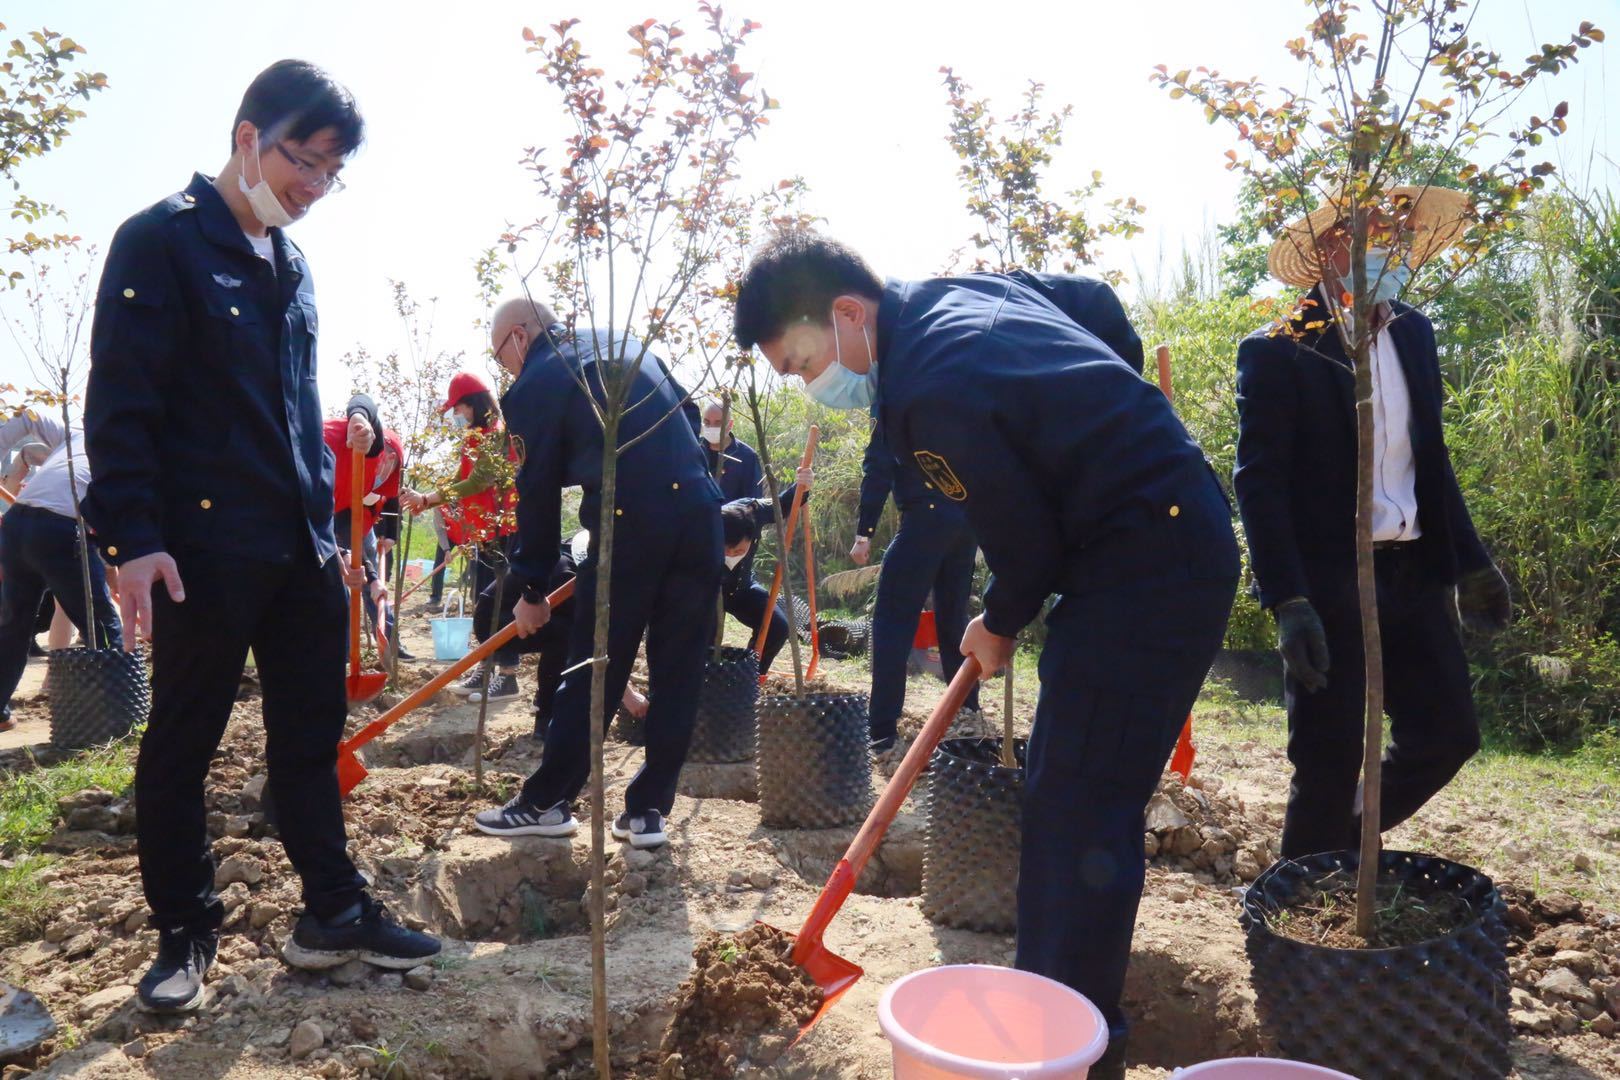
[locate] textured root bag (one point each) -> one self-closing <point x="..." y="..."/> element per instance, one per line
<point x="970" y="853"/>
<point x="843" y="638"/>
<point x="724" y="730"/>
<point x="631" y="729"/>
<point x="813" y="760"/>
<point x="96" y="695"/>
<point x="1437" y="1009"/>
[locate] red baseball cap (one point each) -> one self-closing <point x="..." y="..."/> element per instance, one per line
<point x="461" y="385"/>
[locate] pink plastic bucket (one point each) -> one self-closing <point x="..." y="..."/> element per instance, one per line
<point x="1257" y="1069"/>
<point x="978" y="1022"/>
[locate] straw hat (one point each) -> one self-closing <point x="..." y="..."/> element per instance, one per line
<point x="1437" y="218"/>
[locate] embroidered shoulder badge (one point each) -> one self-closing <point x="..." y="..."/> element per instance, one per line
<point x="939" y="471"/>
<point x="226" y="281"/>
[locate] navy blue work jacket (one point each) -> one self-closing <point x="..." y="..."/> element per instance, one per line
<point x="1071" y="467"/>
<point x="660" y="479"/>
<point x="202" y="412"/>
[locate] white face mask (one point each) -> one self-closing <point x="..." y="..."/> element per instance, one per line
<point x="733" y="560"/>
<point x="458" y="421"/>
<point x="266" y="207"/>
<point x="711" y="435"/>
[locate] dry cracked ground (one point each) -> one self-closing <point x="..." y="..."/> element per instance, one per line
<point x="511" y="995"/>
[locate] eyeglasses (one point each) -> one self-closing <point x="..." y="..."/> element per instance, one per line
<point x="312" y="175"/>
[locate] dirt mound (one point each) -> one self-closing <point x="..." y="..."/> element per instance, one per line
<point x="1564" y="960"/>
<point x="1199" y="829"/>
<point x="740" y="1007"/>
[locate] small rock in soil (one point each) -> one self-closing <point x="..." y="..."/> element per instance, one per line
<point x="350" y="973"/>
<point x="1565" y="984"/>
<point x="419" y="978"/>
<point x="1557" y="907"/>
<point x="639" y="859"/>
<point x="307" y="1037"/>
<point x="634" y="884"/>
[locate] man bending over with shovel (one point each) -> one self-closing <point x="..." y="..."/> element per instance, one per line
<point x="1078" y="480"/>
<point x="212" y="480"/>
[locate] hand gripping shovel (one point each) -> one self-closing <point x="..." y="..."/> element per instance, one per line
<point x="832" y="972"/>
<point x="363" y="685"/>
<point x="349" y="769"/>
<point x="805" y="462"/>
<point x="1181" y="761"/>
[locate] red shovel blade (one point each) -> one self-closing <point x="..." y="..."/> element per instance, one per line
<point x="365" y="685"/>
<point x="832" y="972"/>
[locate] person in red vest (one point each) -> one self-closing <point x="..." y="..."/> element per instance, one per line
<point x="380" y="482"/>
<point x="478" y="512"/>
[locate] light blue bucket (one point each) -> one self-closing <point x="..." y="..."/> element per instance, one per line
<point x="451" y="637"/>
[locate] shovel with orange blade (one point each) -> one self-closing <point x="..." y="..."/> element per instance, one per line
<point x="351" y="771"/>
<point x="362" y="685"/>
<point x="832" y="972"/>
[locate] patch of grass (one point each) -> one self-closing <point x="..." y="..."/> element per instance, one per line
<point x="28" y="799"/>
<point x="26" y="903"/>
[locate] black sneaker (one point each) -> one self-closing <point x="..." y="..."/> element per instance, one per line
<point x="503" y="686"/>
<point x="365" y="932"/>
<point x="403" y="653"/>
<point x="472" y="683"/>
<point x="174" y="982"/>
<point x="518" y="818"/>
<point x="644" y="830"/>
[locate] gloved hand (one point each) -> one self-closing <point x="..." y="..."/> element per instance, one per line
<point x="1483" y="603"/>
<point x="1303" y="643"/>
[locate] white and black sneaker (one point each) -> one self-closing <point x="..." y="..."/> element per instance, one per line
<point x="174" y="982"/>
<point x="503" y="685"/>
<point x="472" y="683"/>
<point x="644" y="830"/>
<point x="365" y="932"/>
<point x="518" y="818"/>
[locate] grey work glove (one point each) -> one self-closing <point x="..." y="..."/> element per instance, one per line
<point x="1303" y="643"/>
<point x="1483" y="603"/>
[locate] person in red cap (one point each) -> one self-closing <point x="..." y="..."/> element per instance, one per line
<point x="379" y="525"/>
<point x="481" y="514"/>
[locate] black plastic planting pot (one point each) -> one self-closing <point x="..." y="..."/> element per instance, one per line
<point x="96" y="695"/>
<point x="970" y="852"/>
<point x="631" y="729"/>
<point x="843" y="638"/>
<point x="724" y="730"/>
<point x="813" y="761"/>
<point x="1438" y="1009"/>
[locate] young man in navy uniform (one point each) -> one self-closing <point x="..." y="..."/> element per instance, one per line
<point x="213" y="481"/>
<point x="934" y="547"/>
<point x="666" y="566"/>
<point x="1078" y="480"/>
<point x="1296" y="488"/>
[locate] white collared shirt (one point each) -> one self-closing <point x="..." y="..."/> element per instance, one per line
<point x="1395" y="506"/>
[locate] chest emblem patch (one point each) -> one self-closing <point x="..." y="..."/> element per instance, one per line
<point x="226" y="281"/>
<point x="939" y="471"/>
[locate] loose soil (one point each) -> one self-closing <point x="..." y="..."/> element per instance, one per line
<point x="510" y="997"/>
<point x="744" y="1001"/>
<point x="1402" y="916"/>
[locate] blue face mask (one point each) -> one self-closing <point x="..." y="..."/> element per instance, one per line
<point x="1388" y="277"/>
<point x="837" y="387"/>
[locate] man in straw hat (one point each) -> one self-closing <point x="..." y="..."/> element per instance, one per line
<point x="1296" y="488"/>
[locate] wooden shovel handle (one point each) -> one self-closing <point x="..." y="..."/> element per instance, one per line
<point x="792" y="523"/>
<point x="443" y="678"/>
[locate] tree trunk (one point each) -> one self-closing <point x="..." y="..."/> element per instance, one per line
<point x="494" y="625"/>
<point x="604" y="590"/>
<point x="1371" y="640"/>
<point x="92" y="625"/>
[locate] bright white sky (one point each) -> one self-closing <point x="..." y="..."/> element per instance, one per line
<point x="451" y="100"/>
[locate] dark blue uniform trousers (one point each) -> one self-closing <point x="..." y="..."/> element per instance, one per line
<point x="1433" y="730"/>
<point x="294" y="617"/>
<point x="40" y="552"/>
<point x="746" y="604"/>
<point x="1120" y="670"/>
<point x="928" y="552"/>
<point x="664" y="584"/>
